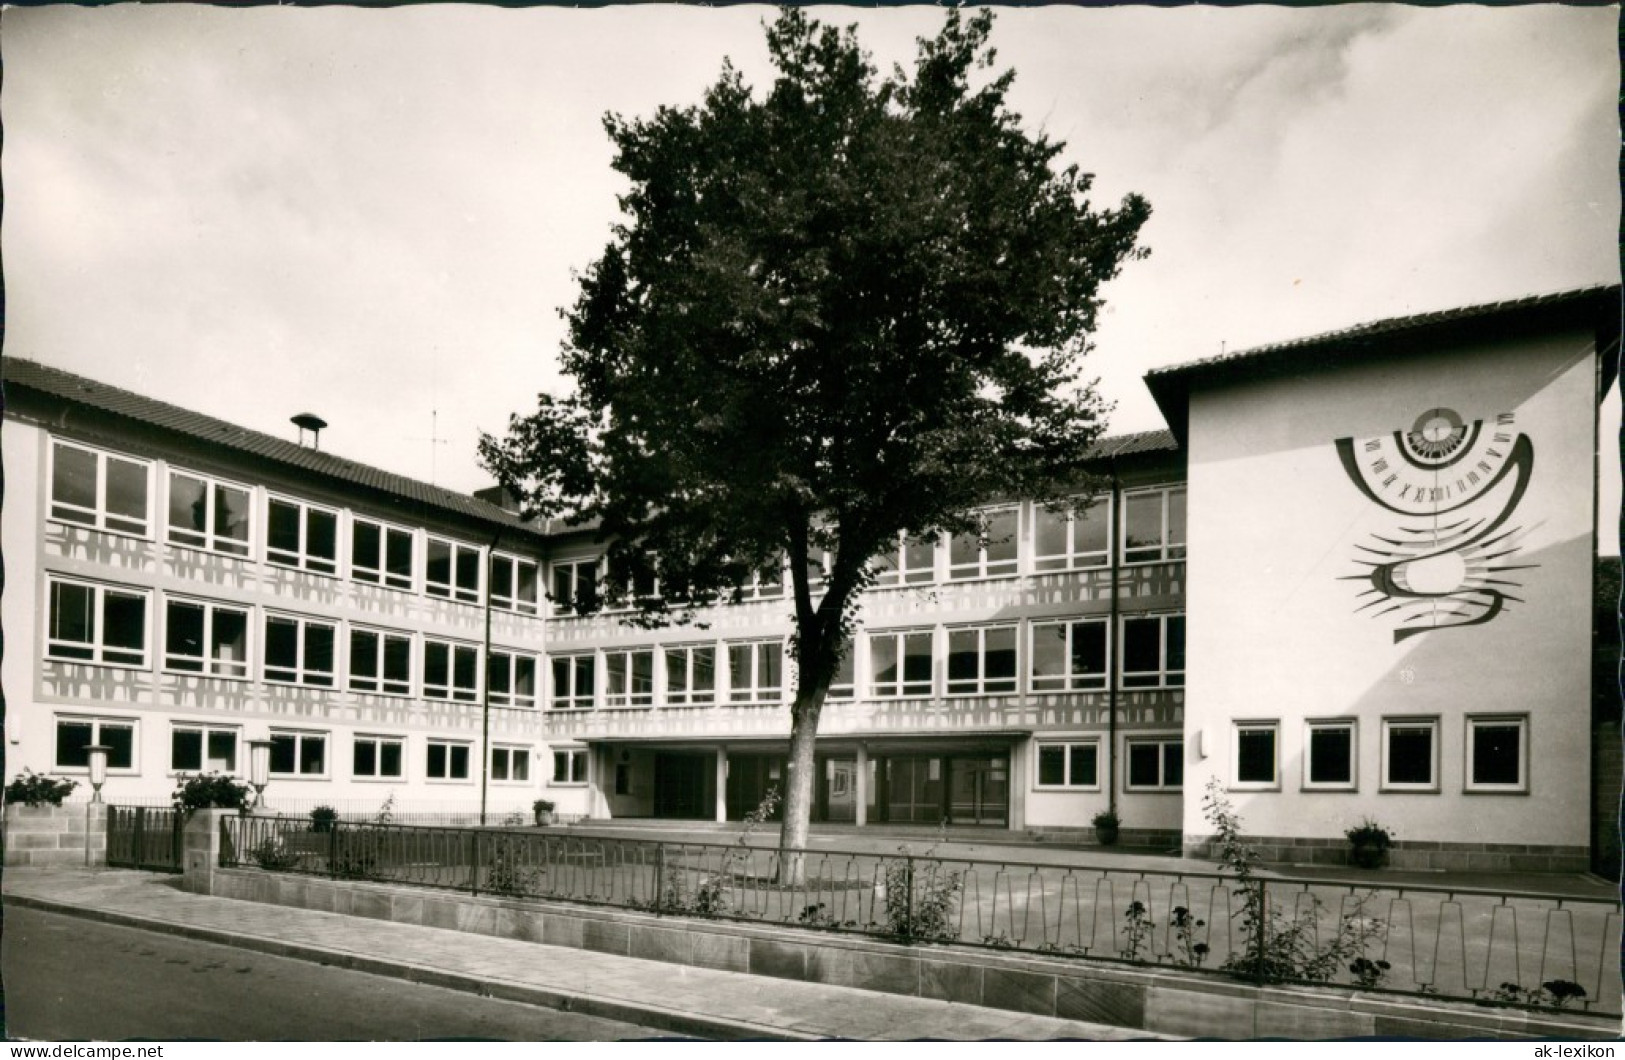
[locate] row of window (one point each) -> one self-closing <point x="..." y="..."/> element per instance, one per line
<point x="294" y="754"/>
<point x="1151" y="763"/>
<point x="90" y="622"/>
<point x="1496" y="754"/>
<point x="106" y="491"/>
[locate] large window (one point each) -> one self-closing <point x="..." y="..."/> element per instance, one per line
<point x="514" y="584"/>
<point x="447" y="760"/>
<point x="1072" y="540"/>
<point x="510" y="765"/>
<point x="378" y="757"/>
<point x="206" y="513"/>
<point x="202" y="748"/>
<point x="1256" y="754"/>
<point x="1155" y="763"/>
<point x="451" y="671"/>
<point x="570" y="766"/>
<point x="988" y="553"/>
<point x="512" y="680"/>
<point x="302" y="535"/>
<point x="1329" y="755"/>
<point x="205" y="638"/>
<point x="452" y="571"/>
<point x="380" y="661"/>
<point x="629" y="678"/>
<point x="74" y="737"/>
<point x="1069" y="656"/>
<point x="1069" y="765"/>
<point x="572" y="682"/>
<point x="299" y="651"/>
<point x="900" y="664"/>
<point x="575" y="586"/>
<point x="97" y="624"/>
<point x="982" y="661"/>
<point x="298" y="754"/>
<point x="1497" y="757"/>
<point x="97" y="489"/>
<point x="911" y="562"/>
<point x="756" y="672"/>
<point x="691" y="675"/>
<point x="844" y="684"/>
<point x="1154" y="651"/>
<point x="380" y="554"/>
<point x="1154" y="525"/>
<point x="1410" y="754"/>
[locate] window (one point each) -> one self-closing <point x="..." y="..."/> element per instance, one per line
<point x="202" y="748"/>
<point x="1155" y="764"/>
<point x="1069" y="765"/>
<point x="1154" y="651"/>
<point x="451" y="671"/>
<point x="982" y="661"/>
<point x="510" y="765"/>
<point x="75" y="735"/>
<point x="380" y="662"/>
<point x="378" y="757"/>
<point x="1496" y="759"/>
<point x="205" y="513"/>
<point x="629" y="678"/>
<point x="572" y="682"/>
<point x="299" y="651"/>
<point x="512" y="680"/>
<point x="900" y="664"/>
<point x="1154" y="525"/>
<point x="912" y="562"/>
<point x="570" y="766"/>
<point x="763" y="584"/>
<point x="100" y="490"/>
<point x="301" y="535"/>
<point x="691" y="675"/>
<point x="987" y="554"/>
<point x="575" y="586"/>
<point x="447" y="761"/>
<point x="298" y="754"/>
<point x="452" y="571"/>
<point x="97" y="624"/>
<point x="755" y="672"/>
<point x="1069" y="656"/>
<point x="844" y="684"/>
<point x="513" y="584"/>
<point x="1329" y="755"/>
<point x="205" y="638"/>
<point x="1410" y="759"/>
<point x="1072" y="540"/>
<point x="1255" y="754"/>
<point x="380" y="554"/>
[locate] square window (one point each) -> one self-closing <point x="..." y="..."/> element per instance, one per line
<point x="205" y="638"/>
<point x="572" y="682"/>
<point x="1154" y="525"/>
<point x="1497" y="760"/>
<point x="1256" y="755"/>
<point x="96" y="624"/>
<point x="207" y="514"/>
<point x="1329" y="759"/>
<point x="75" y="735"/>
<point x="1155" y="763"/>
<point x="982" y="661"/>
<point x="1068" y="656"/>
<point x="202" y="749"/>
<point x="452" y="571"/>
<point x="570" y="766"/>
<point x="1410" y="755"/>
<point x="447" y="761"/>
<point x="691" y="677"/>
<point x="1153" y="651"/>
<point x="510" y="765"/>
<point x="301" y="536"/>
<point x="989" y="552"/>
<point x="629" y="678"/>
<point x="379" y="757"/>
<point x="756" y="672"/>
<point x="900" y="664"/>
<point x="100" y="490"/>
<point x="298" y="754"/>
<point x="380" y="554"/>
<point x="911" y="562"/>
<point x="450" y="671"/>
<point x="299" y="651"/>
<point x="1069" y="765"/>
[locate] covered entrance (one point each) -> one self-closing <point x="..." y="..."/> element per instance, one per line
<point x="952" y="788"/>
<point x="685" y="785"/>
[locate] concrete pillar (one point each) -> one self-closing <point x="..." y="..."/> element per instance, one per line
<point x="96" y="833"/>
<point x="200" y="849"/>
<point x="722" y="783"/>
<point x="860" y="787"/>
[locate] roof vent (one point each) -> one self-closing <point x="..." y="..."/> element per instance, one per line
<point x="309" y="421"/>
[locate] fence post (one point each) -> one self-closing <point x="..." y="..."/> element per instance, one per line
<point x="474" y="878"/>
<point x="1263" y="930"/>
<point x="333" y="848"/>
<point x="660" y="878"/>
<point x="908" y="898"/>
<point x="140" y="837"/>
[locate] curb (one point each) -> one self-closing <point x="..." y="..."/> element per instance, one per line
<point x="655" y="1016"/>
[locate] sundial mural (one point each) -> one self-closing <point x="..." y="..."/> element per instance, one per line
<point x="1450" y="559"/>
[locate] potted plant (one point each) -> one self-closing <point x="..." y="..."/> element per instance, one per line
<point x="1368" y="844"/>
<point x="543" y="809"/>
<point x="1106" y="825"/>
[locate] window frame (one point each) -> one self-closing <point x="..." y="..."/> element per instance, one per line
<point x="451" y="691"/>
<point x="1067" y="746"/>
<point x="208" y="662"/>
<point x="755" y="693"/>
<point x="1070" y="681"/>
<point x="302" y="560"/>
<point x="97" y="645"/>
<point x="565" y="607"/>
<point x="1469" y="754"/>
<point x="900" y="576"/>
<point x="902" y="687"/>
<point x="509" y="600"/>
<point x="1163" y="743"/>
<point x="1166" y="550"/>
<point x="1074" y="559"/>
<point x="511" y="753"/>
<point x="571" y="756"/>
<point x="1389" y="724"/>
<point x="383" y="576"/>
<point x="448" y="746"/>
<point x="628" y="699"/>
<point x="982" y="567"/>
<point x="1313" y="725"/>
<point x="205" y="730"/>
<point x="689" y="696"/>
<point x="978" y="685"/>
<point x="302" y="672"/>
<point x="299" y="737"/>
<point x="96" y="723"/>
<point x="1162" y="677"/>
<point x="99" y="515"/>
<point x="454" y="590"/>
<point x="1242" y="726"/>
<point x="507" y="660"/>
<point x="573" y="699"/>
<point x="378" y="740"/>
<point x="384" y="685"/>
<point x="211" y="538"/>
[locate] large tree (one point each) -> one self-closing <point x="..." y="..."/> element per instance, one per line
<point x="850" y="310"/>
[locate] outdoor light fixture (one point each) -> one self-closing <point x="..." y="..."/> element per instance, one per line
<point x="98" y="769"/>
<point x="259" y="769"/>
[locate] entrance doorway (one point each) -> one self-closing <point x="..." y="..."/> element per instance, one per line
<point x="750" y="778"/>
<point x="978" y="790"/>
<point x="927" y="789"/>
<point x="685" y="786"/>
<point x="914" y="790"/>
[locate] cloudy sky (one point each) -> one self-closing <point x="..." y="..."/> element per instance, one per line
<point x="374" y="214"/>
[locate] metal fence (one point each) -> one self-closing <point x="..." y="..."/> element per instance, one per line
<point x="141" y="837"/>
<point x="1520" y="949"/>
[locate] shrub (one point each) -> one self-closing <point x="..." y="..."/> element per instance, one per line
<point x="211" y="791"/>
<point x="507" y="872"/>
<point x="275" y="855"/>
<point x="1368" y="841"/>
<point x="921" y="901"/>
<point x="322" y="818"/>
<point x="33" y="789"/>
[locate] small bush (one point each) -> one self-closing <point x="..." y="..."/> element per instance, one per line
<point x="507" y="872"/>
<point x="33" y="789"/>
<point x="322" y="818"/>
<point x="542" y="810"/>
<point x="211" y="791"/>
<point x="274" y="854"/>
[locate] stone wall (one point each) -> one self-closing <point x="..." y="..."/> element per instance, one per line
<point x="75" y="834"/>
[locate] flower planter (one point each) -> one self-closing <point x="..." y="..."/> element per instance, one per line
<point x="1368" y="855"/>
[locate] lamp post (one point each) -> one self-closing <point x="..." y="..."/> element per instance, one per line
<point x="259" y="769"/>
<point x="98" y="769"/>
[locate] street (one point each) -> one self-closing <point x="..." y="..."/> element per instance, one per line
<point x="68" y="978"/>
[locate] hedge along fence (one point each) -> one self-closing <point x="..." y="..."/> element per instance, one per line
<point x="1520" y="949"/>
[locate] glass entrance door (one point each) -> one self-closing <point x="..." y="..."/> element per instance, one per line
<point x="979" y="790"/>
<point x="915" y="790"/>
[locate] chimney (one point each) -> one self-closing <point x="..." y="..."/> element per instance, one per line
<point x="500" y="496"/>
<point x="309" y="421"/>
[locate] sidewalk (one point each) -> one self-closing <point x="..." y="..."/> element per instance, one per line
<point x="679" y="1000"/>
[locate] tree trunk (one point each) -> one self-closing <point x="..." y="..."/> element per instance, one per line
<point x="798" y="797"/>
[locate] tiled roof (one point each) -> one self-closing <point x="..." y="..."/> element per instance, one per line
<point x="1132" y="444"/>
<point x="53" y="382"/>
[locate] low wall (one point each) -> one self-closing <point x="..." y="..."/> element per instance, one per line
<point x="75" y="834"/>
<point x="1414" y="855"/>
